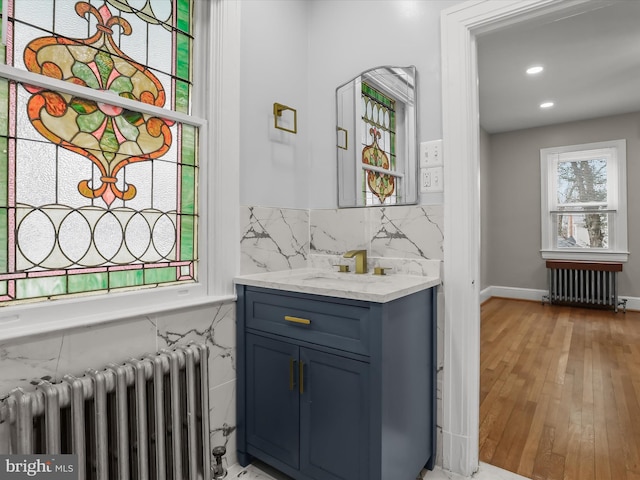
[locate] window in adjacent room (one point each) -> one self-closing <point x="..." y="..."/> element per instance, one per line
<point x="97" y="194"/>
<point x="584" y="213"/>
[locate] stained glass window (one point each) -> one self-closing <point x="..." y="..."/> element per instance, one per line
<point x="97" y="194"/>
<point x="378" y="147"/>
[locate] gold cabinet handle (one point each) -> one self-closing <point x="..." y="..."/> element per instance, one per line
<point x="301" y="378"/>
<point x="291" y="365"/>
<point x="302" y="321"/>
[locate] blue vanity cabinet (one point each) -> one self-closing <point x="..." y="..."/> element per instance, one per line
<point x="336" y="389"/>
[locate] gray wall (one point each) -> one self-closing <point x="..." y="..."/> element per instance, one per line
<point x="485" y="182"/>
<point x="511" y="207"/>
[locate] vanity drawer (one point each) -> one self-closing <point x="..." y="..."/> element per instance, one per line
<point x="334" y="323"/>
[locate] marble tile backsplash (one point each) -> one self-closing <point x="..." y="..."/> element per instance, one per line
<point x="411" y="232"/>
<point x="278" y="239"/>
<point x="273" y="239"/>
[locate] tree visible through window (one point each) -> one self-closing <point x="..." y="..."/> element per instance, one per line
<point x="582" y="187"/>
<point x="95" y="195"/>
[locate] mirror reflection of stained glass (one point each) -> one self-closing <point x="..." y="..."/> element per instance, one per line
<point x="376" y="138"/>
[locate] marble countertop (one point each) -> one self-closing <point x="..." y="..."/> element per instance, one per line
<point x="368" y="287"/>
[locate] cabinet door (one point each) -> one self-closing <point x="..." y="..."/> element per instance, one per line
<point x="273" y="421"/>
<point x="334" y="417"/>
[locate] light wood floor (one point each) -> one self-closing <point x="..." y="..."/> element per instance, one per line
<point x="560" y="391"/>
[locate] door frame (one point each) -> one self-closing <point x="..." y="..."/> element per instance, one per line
<point x="460" y="24"/>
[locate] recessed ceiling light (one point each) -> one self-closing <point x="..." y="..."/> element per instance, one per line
<point x="535" y="69"/>
<point x="546" y="105"/>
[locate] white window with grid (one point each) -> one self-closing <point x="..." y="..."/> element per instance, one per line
<point x="584" y="202"/>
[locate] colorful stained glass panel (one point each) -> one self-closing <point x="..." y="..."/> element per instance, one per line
<point x="126" y="278"/>
<point x="88" y="282"/>
<point x="40" y="287"/>
<point x="160" y="275"/>
<point x="93" y="196"/>
<point x="104" y="44"/>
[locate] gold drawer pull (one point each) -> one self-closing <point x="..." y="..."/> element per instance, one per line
<point x="303" y="321"/>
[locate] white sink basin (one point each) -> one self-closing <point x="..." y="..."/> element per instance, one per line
<point x="343" y="278"/>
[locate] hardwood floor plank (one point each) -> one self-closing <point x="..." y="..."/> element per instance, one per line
<point x="534" y="437"/>
<point x="615" y="434"/>
<point x="572" y="459"/>
<point x="587" y="441"/>
<point x="601" y="443"/>
<point x="548" y="465"/>
<point x="498" y="421"/>
<point x="517" y="433"/>
<point x="560" y="419"/>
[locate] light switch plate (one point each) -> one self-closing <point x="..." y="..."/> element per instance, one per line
<point x="431" y="153"/>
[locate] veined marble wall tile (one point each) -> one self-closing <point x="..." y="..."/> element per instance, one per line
<point x="222" y="419"/>
<point x="411" y="232"/>
<point x="215" y="327"/>
<point x="407" y="231"/>
<point x="95" y="347"/>
<point x="336" y="231"/>
<point x="25" y="360"/>
<point x="273" y="239"/>
<point x="72" y="352"/>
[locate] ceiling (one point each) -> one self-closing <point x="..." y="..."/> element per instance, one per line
<point x="591" y="61"/>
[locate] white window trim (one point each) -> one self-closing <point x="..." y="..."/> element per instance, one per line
<point x="617" y="183"/>
<point x="216" y="50"/>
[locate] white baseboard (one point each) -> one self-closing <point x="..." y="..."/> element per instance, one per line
<point x="633" y="303"/>
<point x="512" y="292"/>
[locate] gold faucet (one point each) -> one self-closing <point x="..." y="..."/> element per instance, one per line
<point x="361" y="259"/>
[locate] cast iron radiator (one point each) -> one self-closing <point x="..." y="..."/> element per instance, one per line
<point x="589" y="284"/>
<point x="144" y="419"/>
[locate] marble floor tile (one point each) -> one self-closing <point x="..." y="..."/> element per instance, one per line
<point x="485" y="472"/>
<point x="255" y="472"/>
